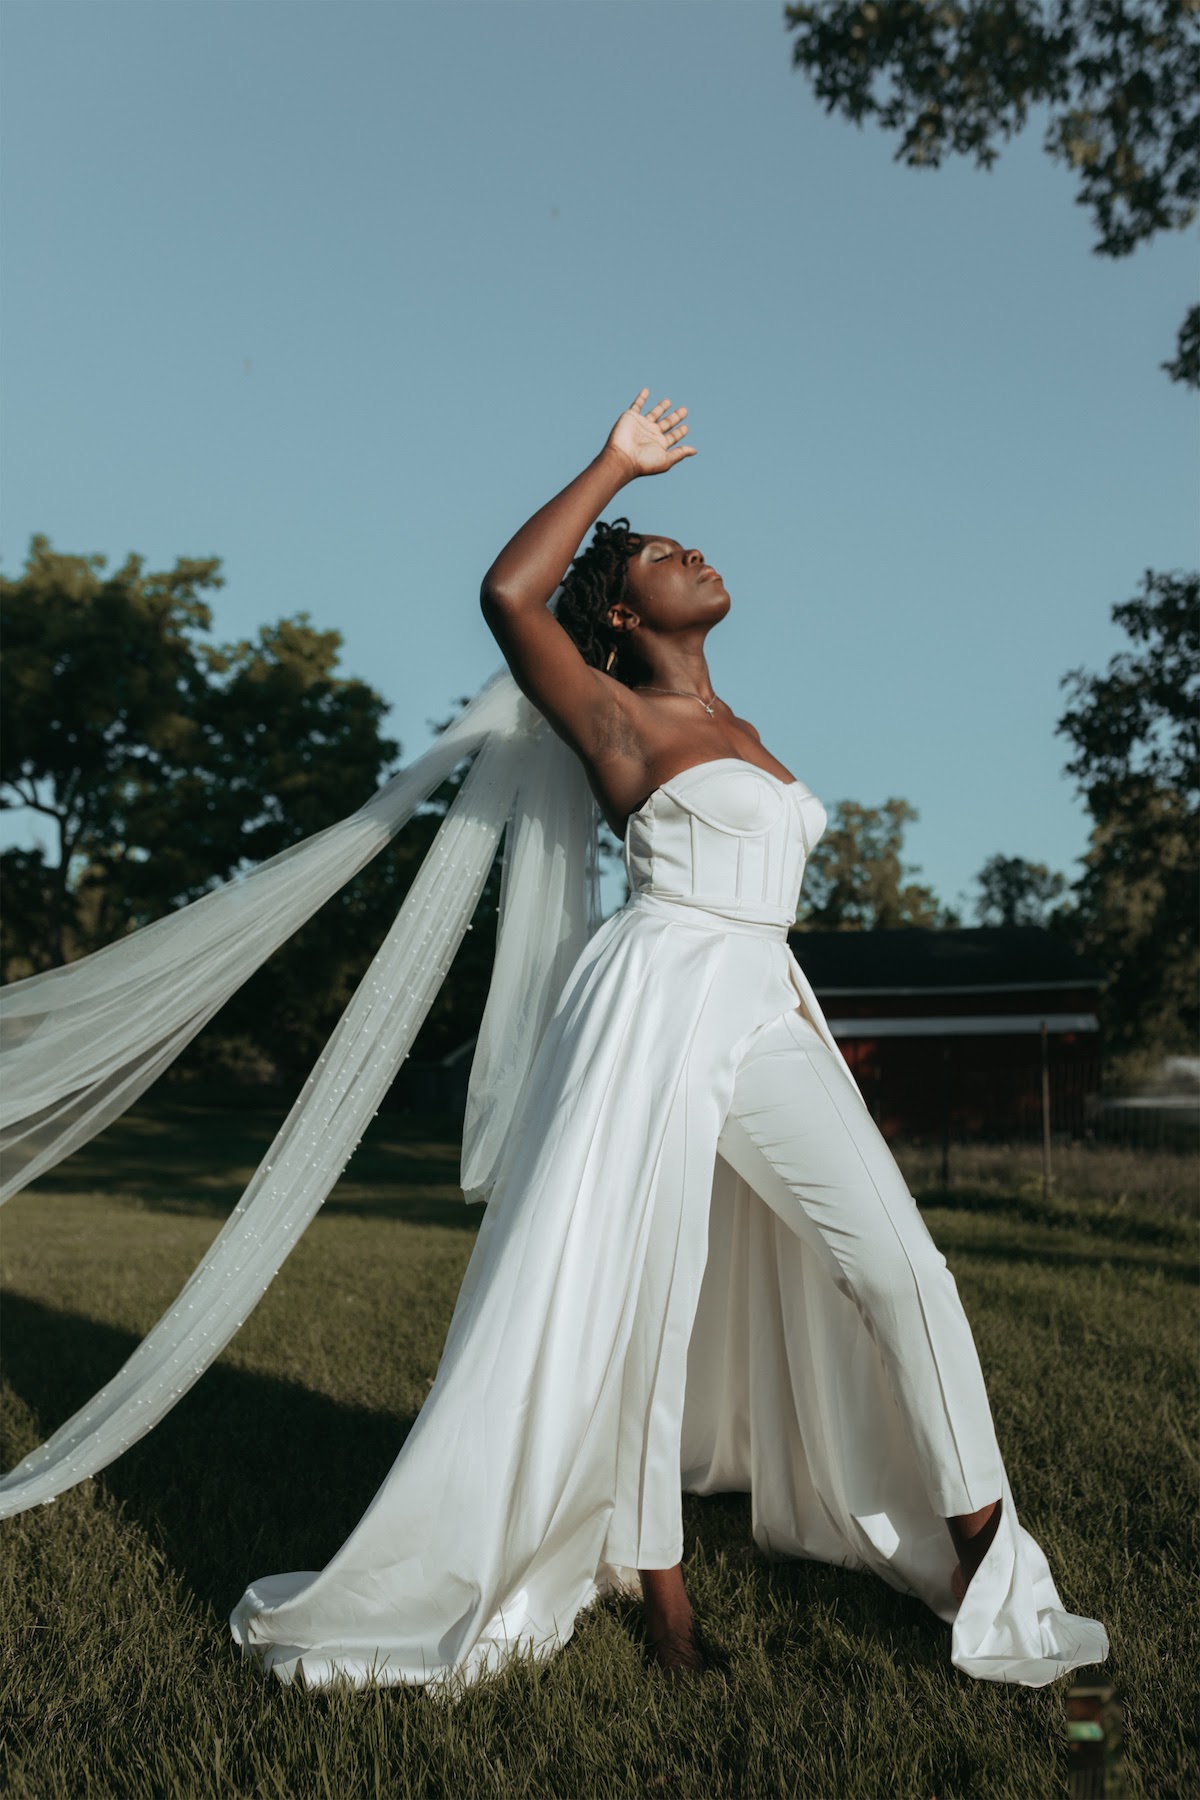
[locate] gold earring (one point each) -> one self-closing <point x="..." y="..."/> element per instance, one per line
<point x="612" y="657"/>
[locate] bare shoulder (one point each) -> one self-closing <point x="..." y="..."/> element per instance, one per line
<point x="750" y="732"/>
<point x="729" y="717"/>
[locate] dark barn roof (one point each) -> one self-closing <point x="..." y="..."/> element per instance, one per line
<point x="916" y="959"/>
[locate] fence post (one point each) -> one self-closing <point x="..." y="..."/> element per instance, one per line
<point x="1047" y="1177"/>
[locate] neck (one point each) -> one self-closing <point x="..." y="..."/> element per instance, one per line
<point x="684" y="670"/>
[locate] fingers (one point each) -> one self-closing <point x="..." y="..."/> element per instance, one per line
<point x="672" y="457"/>
<point x="656" y="412"/>
<point x="668" y="424"/>
<point x="665" y="424"/>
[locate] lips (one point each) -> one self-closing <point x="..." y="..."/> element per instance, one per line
<point x="708" y="573"/>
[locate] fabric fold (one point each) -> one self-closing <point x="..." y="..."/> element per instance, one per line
<point x="339" y="1099"/>
<point x="80" y="1043"/>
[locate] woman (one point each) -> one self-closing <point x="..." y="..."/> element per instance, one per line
<point x="699" y="1262"/>
<point x="699" y="1253"/>
<point x="633" y="735"/>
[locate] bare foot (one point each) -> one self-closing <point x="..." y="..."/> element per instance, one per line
<point x="670" y="1628"/>
<point x="677" y="1652"/>
<point x="972" y="1545"/>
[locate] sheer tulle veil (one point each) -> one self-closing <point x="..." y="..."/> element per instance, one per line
<point x="79" y="1044"/>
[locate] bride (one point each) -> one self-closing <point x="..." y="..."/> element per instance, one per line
<point x="699" y="1266"/>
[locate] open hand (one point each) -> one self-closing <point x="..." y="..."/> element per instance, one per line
<point x="648" y="442"/>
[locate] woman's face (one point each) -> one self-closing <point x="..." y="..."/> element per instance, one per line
<point x="670" y="587"/>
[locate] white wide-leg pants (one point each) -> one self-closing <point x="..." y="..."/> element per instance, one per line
<point x="799" y="1132"/>
<point x="803" y="1137"/>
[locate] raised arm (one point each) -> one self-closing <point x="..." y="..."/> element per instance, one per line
<point x="546" y="663"/>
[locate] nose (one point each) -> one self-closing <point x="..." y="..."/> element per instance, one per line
<point x="694" y="556"/>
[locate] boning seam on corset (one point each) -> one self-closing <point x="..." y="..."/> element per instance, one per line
<point x="804" y="833"/>
<point x="647" y="807"/>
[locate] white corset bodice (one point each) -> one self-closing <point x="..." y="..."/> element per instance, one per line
<point x="725" y="837"/>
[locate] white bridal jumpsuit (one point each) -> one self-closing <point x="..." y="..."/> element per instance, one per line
<point x="700" y="1266"/>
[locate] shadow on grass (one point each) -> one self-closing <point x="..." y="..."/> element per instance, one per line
<point x="250" y="1476"/>
<point x="1127" y="1225"/>
<point x="246" y="1476"/>
<point x="182" y="1159"/>
<point x="793" y="1598"/>
<point x="1047" y="1257"/>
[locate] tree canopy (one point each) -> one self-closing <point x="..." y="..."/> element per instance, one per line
<point x="855" y="879"/>
<point x="1118" y="78"/>
<point x="163" y="763"/>
<point x="1016" y="892"/>
<point x="1135" y="729"/>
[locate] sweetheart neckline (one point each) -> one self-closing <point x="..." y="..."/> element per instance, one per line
<point x="708" y="763"/>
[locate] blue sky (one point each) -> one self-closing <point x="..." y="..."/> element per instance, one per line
<point x="341" y="293"/>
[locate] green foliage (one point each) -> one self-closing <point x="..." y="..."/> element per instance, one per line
<point x="1136" y="735"/>
<point x="1185" y="364"/>
<point x="1118" y="77"/>
<point x="166" y="763"/>
<point x="855" y="879"/>
<point x="118" y="1676"/>
<point x="1015" y="892"/>
<point x="100" y="694"/>
<point x="287" y="1015"/>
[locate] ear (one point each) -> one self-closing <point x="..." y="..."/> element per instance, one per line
<point x="621" y="617"/>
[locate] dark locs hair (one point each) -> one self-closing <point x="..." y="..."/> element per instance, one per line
<point x="594" y="582"/>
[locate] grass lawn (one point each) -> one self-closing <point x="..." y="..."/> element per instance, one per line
<point x="119" y="1676"/>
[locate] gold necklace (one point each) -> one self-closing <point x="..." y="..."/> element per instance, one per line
<point x="662" y="690"/>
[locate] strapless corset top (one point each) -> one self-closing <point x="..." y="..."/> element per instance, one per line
<point x="727" y="836"/>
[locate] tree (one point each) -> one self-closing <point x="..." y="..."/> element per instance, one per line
<point x="100" y="687"/>
<point x="1136" y="735"/>
<point x="855" y="880"/>
<point x="1015" y="892"/>
<point x="166" y="763"/>
<point x="286" y="1011"/>
<point x="1119" y="77"/>
<point x="163" y="762"/>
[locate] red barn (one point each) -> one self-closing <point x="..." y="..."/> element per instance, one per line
<point x="943" y="1028"/>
